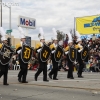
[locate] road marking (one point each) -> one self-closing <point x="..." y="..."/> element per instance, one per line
<point x="81" y="80"/>
<point x="53" y="86"/>
<point x="65" y="87"/>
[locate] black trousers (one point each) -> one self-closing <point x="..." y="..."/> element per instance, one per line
<point x="23" y="71"/>
<point x="42" y="67"/>
<point x="54" y="70"/>
<point x="4" y="72"/>
<point x="70" y="71"/>
<point x="80" y="70"/>
<point x="81" y="64"/>
<point x="70" y="65"/>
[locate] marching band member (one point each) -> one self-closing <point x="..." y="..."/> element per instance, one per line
<point x="4" y="68"/>
<point x="79" y="47"/>
<point x="23" y="66"/>
<point x="42" y="65"/>
<point x="69" y="62"/>
<point x="53" y="47"/>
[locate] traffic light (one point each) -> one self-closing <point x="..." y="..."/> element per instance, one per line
<point x="9" y="41"/>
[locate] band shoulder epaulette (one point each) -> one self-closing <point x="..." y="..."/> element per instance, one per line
<point x="66" y="49"/>
<point x="81" y="47"/>
<point x="76" y="46"/>
<point x="38" y="45"/>
<point x="0" y="45"/>
<point x="18" y="46"/>
<point x="52" y="46"/>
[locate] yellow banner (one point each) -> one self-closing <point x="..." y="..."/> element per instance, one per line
<point x="88" y="25"/>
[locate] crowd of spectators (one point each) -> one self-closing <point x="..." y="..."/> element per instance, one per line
<point x="92" y="63"/>
<point x="94" y="54"/>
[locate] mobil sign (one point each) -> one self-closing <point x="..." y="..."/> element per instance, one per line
<point x="26" y="22"/>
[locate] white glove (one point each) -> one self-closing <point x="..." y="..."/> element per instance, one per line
<point x="19" y="51"/>
<point x="80" y="50"/>
<point x="66" y="52"/>
<point x="75" y="62"/>
<point x="53" y="51"/>
<point x="38" y="50"/>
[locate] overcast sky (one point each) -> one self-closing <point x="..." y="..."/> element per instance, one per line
<point x="49" y="14"/>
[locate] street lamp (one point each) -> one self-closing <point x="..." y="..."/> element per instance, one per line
<point x="9" y="18"/>
<point x="9" y="39"/>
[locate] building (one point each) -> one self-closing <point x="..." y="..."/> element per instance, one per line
<point x="14" y="41"/>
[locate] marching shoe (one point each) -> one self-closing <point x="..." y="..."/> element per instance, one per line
<point x="55" y="79"/>
<point x="46" y="80"/>
<point x="19" y="80"/>
<point x="35" y="78"/>
<point x="71" y="77"/>
<point x="50" y="76"/>
<point x="68" y="77"/>
<point x="79" y="76"/>
<point x="6" y="84"/>
<point x="24" y="81"/>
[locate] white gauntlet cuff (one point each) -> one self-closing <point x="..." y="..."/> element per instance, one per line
<point x="66" y="52"/>
<point x="38" y="50"/>
<point x="18" y="51"/>
<point x="53" y="51"/>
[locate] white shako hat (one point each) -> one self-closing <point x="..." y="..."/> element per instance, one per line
<point x="41" y="33"/>
<point x="55" y="34"/>
<point x="69" y="38"/>
<point x="2" y="32"/>
<point x="3" y="38"/>
<point x="22" y="35"/>
<point x="78" y="36"/>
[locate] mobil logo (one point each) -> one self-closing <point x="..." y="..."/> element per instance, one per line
<point x="27" y="22"/>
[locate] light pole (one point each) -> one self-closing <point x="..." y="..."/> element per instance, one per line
<point x="1" y="12"/>
<point x="9" y="18"/>
<point x="1" y="17"/>
<point x="9" y="39"/>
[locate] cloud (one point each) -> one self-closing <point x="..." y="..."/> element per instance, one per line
<point x="49" y="13"/>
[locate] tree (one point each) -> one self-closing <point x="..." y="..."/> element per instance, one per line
<point x="60" y="35"/>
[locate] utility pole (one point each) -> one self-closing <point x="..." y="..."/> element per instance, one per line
<point x="1" y="12"/>
<point x="1" y="17"/>
<point x="9" y="22"/>
<point x="10" y="19"/>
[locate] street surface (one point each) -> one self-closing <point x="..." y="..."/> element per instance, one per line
<point x="87" y="88"/>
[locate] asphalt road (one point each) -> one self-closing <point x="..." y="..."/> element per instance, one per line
<point x="87" y="88"/>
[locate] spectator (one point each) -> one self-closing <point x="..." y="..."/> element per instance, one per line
<point x="66" y="41"/>
<point x="94" y="37"/>
<point x="13" y="63"/>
